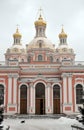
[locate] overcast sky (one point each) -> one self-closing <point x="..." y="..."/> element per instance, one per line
<point x="70" y="13"/>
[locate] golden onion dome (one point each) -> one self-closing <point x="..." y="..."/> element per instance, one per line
<point x="17" y="34"/>
<point x="62" y="34"/>
<point x="40" y="21"/>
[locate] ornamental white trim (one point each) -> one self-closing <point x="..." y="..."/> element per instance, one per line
<point x="40" y="81"/>
<point x="78" y="83"/>
<point x="56" y="84"/>
<point x="23" y="84"/>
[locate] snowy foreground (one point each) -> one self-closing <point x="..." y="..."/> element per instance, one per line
<point x="41" y="124"/>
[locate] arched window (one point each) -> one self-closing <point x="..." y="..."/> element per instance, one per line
<point x="63" y="40"/>
<point x="40" y="42"/>
<point x="15" y="59"/>
<point x="16" y="40"/>
<point x="40" y="45"/>
<point x="51" y="59"/>
<point x="39" y="57"/>
<point x="56" y="99"/>
<point x="40" y="98"/>
<point x="79" y="90"/>
<point x="22" y="60"/>
<point x="57" y="60"/>
<point x="23" y="92"/>
<point x="60" y="40"/>
<point x="40" y="30"/>
<point x="56" y="91"/>
<point x="40" y="90"/>
<point x="29" y="59"/>
<point x="23" y="99"/>
<point x="65" y="58"/>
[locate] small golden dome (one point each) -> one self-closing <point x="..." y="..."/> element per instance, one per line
<point x="62" y="34"/>
<point x="17" y="34"/>
<point x="40" y="21"/>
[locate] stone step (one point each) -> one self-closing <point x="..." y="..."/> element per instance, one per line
<point x="22" y="116"/>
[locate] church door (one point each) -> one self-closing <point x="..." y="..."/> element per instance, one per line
<point x="23" y="99"/>
<point x="40" y="99"/>
<point x="56" y="99"/>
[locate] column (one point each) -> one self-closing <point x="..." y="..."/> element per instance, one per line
<point x="18" y="100"/>
<point x="64" y="88"/>
<point x="70" y="88"/>
<point x="32" y="99"/>
<point x="67" y="93"/>
<point x="31" y="95"/>
<point x="48" y="92"/>
<point x="15" y="90"/>
<point x="48" y="107"/>
<point x="9" y="89"/>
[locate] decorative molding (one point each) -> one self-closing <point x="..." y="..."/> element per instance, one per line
<point x="40" y="70"/>
<point x="2" y="79"/>
<point x="66" y="75"/>
<point x="23" y="84"/>
<point x="13" y="75"/>
<point x="82" y="79"/>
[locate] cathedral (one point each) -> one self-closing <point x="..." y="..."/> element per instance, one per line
<point x="41" y="78"/>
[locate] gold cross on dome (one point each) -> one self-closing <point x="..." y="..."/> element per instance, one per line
<point x="17" y="28"/>
<point x="62" y="25"/>
<point x="40" y="10"/>
<point x="62" y="28"/>
<point x="17" y="25"/>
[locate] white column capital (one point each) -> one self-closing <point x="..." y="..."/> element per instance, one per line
<point x="31" y="84"/>
<point x="66" y="75"/>
<point x="9" y="90"/>
<point x="48" y="84"/>
<point x="13" y="75"/>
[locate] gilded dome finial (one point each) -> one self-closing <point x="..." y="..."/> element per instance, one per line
<point x="17" y="34"/>
<point x="17" y="30"/>
<point x="40" y="21"/>
<point x="40" y="11"/>
<point x="62" y="34"/>
<point x="62" y="28"/>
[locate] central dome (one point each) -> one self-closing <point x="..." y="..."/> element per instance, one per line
<point x="41" y="42"/>
<point x="40" y="21"/>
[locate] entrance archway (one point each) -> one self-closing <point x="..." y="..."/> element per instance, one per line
<point x="1" y="94"/>
<point x="56" y="99"/>
<point x="23" y="99"/>
<point x="40" y="99"/>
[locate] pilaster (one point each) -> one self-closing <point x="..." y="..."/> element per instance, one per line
<point x="32" y="99"/>
<point x="64" y="88"/>
<point x="70" y="88"/>
<point x="67" y="92"/>
<point x="48" y="106"/>
<point x="9" y="89"/>
<point x="12" y="93"/>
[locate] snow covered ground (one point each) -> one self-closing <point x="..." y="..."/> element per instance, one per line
<point x="62" y="123"/>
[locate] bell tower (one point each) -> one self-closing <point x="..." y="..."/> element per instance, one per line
<point x="63" y="37"/>
<point x="64" y="53"/>
<point x="17" y="37"/>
